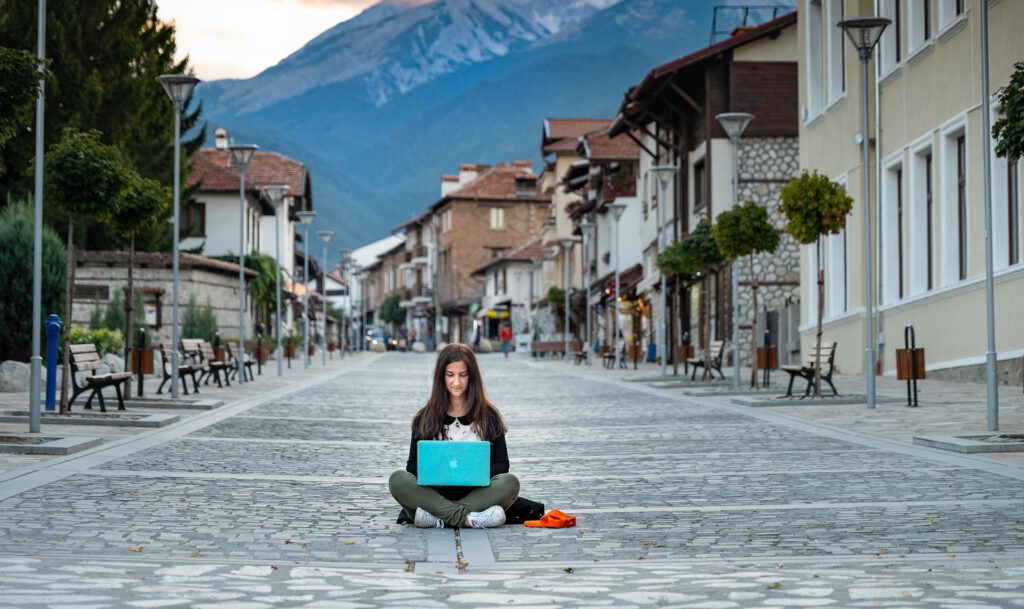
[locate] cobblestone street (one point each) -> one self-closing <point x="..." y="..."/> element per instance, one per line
<point x="278" y="498"/>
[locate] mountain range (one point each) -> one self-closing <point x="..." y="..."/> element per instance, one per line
<point x="381" y="105"/>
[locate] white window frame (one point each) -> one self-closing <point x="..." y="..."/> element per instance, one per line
<point x="497" y="218"/>
<point x="949" y="263"/>
<point x="892" y="189"/>
<point x="1000" y="204"/>
<point x="947" y="15"/>
<point x="890" y="55"/>
<point x="917" y="201"/>
<point x="815" y="49"/>
<point x="837" y="278"/>
<point x="836" y="41"/>
<point x="920" y="27"/>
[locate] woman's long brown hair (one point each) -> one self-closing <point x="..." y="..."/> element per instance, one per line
<point x="428" y="423"/>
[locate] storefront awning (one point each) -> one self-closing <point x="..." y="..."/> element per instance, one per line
<point x="492" y="314"/>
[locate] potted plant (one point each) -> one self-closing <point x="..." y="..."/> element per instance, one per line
<point x="332" y="346"/>
<point x="290" y="343"/>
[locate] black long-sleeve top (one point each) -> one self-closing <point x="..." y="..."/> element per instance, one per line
<point x="499" y="458"/>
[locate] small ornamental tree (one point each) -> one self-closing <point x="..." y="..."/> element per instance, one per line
<point x="815" y="206"/>
<point x="84" y="179"/>
<point x="391" y="311"/>
<point x="745" y="230"/>
<point x="1008" y="131"/>
<point x="142" y="205"/>
<point x="695" y="253"/>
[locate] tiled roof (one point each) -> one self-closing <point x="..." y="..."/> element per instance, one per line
<point x="599" y="147"/>
<point x="215" y="169"/>
<point x="560" y="133"/>
<point x="500" y="182"/>
<point x="533" y="250"/>
<point x="160" y="260"/>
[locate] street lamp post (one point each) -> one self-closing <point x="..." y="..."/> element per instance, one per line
<point x="36" y="374"/>
<point x="617" y="209"/>
<point x="991" y="380"/>
<point x="566" y="253"/>
<point x="864" y="33"/>
<point x="360" y="276"/>
<point x="664" y="174"/>
<point x="325" y="238"/>
<point x="241" y="155"/>
<point x="589" y="229"/>
<point x="306" y="217"/>
<point x="734" y="123"/>
<point x="346" y="260"/>
<point x="276" y="195"/>
<point x="435" y="222"/>
<point x="179" y="88"/>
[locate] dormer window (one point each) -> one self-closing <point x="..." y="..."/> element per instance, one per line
<point x="526" y="187"/>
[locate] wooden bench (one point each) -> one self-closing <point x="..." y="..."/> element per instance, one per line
<point x="201" y="354"/>
<point x="232" y="350"/>
<point x="85" y="358"/>
<point x="542" y="348"/>
<point x="608" y="356"/>
<point x="579" y="352"/>
<point x="185" y="370"/>
<point x="715" y="350"/>
<point x="806" y="369"/>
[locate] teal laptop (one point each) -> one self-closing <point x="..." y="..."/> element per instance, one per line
<point x="448" y="463"/>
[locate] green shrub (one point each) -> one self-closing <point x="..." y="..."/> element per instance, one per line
<point x="198" y="322"/>
<point x="106" y="341"/>
<point x="113" y="318"/>
<point x="96" y="317"/>
<point x="556" y="295"/>
<point x="16" y="247"/>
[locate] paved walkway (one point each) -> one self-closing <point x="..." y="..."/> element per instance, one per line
<point x="278" y="499"/>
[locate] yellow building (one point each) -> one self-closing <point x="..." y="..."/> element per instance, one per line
<point x="927" y="182"/>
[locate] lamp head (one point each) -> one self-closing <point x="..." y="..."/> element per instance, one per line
<point x="325" y="236"/>
<point x="241" y="154"/>
<point x="588" y="228"/>
<point x="275" y="193"/>
<point x="306" y="217"/>
<point x="864" y="33"/>
<point x="664" y="174"/>
<point x="734" y="123"/>
<point x="617" y="209"/>
<point x="178" y="87"/>
<point x="566" y="242"/>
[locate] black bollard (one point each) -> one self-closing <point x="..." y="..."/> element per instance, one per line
<point x="138" y="362"/>
<point x="259" y="355"/>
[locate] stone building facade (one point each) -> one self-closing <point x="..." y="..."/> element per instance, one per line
<point x="99" y="275"/>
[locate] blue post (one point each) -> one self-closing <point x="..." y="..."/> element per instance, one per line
<point x="53" y="330"/>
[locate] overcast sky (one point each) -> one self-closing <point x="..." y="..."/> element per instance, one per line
<point x="240" y="38"/>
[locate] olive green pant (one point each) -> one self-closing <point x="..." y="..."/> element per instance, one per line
<point x="503" y="491"/>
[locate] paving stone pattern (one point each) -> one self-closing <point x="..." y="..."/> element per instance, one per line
<point x="680" y="503"/>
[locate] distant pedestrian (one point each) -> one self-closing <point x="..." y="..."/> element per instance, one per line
<point x="505" y="334"/>
<point x="458" y="410"/>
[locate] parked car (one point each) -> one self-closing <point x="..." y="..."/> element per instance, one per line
<point x="376" y="335"/>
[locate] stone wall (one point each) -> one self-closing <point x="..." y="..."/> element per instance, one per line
<point x="766" y="163"/>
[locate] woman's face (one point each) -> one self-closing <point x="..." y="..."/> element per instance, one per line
<point x="456" y="377"/>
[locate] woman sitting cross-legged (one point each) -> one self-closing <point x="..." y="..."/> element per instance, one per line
<point x="457" y="410"/>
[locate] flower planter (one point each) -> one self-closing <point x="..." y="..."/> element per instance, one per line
<point x="289" y="351"/>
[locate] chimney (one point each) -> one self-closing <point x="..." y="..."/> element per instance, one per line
<point x="527" y="165"/>
<point x="448" y="184"/>
<point x="469" y="172"/>
<point x="220" y="138"/>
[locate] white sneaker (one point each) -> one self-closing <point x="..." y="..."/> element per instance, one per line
<point x="492" y="517"/>
<point x="426" y="520"/>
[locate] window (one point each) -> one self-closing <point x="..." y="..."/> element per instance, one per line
<point x="699" y="186"/>
<point x="919" y="23"/>
<point x="950" y="11"/>
<point x="446" y="220"/>
<point x="1013" y="210"/>
<point x="961" y="204"/>
<point x="195" y="219"/>
<point x="815" y="53"/>
<point x="929" y="219"/>
<point x="497" y="218"/>
<point x="836" y="280"/>
<point x="891" y="44"/>
<point x="836" y="51"/>
<point x="891" y="251"/>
